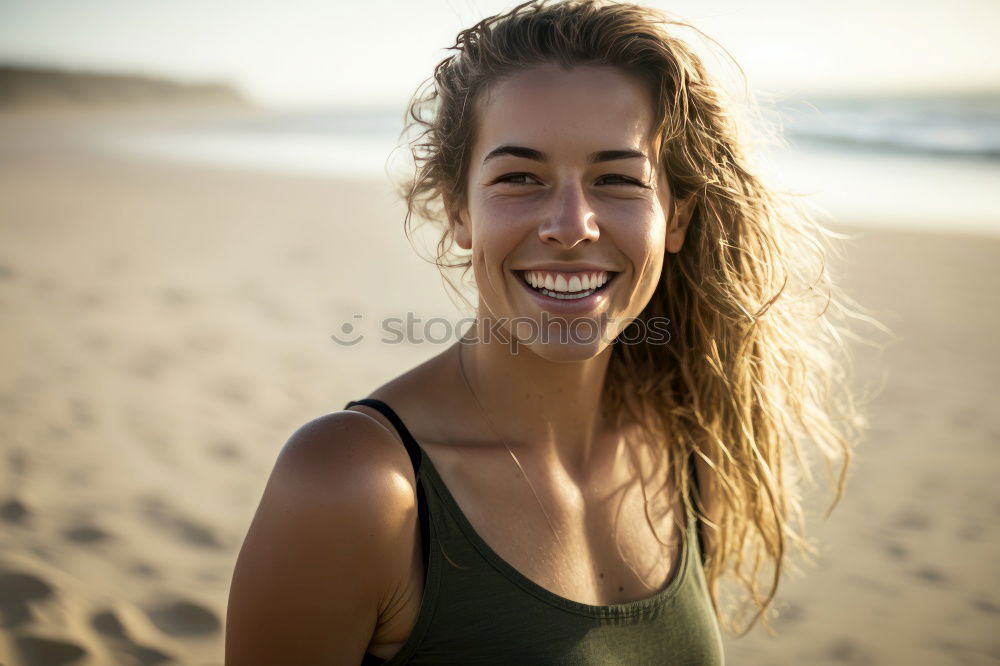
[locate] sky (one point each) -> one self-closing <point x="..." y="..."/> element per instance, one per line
<point x="374" y="52"/>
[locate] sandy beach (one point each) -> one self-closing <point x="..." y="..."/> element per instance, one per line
<point x="165" y="328"/>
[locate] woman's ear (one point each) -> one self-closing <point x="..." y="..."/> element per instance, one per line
<point x="677" y="225"/>
<point x="458" y="219"/>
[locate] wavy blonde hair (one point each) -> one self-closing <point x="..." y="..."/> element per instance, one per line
<point x="756" y="362"/>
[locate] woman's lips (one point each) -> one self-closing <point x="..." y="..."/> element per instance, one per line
<point x="568" y="305"/>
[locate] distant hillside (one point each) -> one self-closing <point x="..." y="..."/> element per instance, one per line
<point x="22" y="86"/>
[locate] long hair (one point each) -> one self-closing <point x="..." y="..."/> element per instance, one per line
<point x="756" y="366"/>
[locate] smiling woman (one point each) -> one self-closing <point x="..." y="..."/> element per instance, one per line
<point x="547" y="163"/>
<point x="654" y="338"/>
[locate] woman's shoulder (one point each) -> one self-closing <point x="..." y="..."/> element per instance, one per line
<point x="327" y="547"/>
<point x="347" y="452"/>
<point x="341" y="477"/>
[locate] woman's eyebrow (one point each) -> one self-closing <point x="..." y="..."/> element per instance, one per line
<point x="539" y="156"/>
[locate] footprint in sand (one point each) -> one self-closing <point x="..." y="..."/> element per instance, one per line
<point x="107" y="624"/>
<point x="970" y="532"/>
<point x="85" y="534"/>
<point x="930" y="574"/>
<point x="184" y="618"/>
<point x="188" y="530"/>
<point x="849" y="652"/>
<point x="16" y="591"/>
<point x="37" y="651"/>
<point x="986" y="606"/>
<point x="911" y="519"/>
<point x="14" y="512"/>
<point x="873" y="585"/>
<point x="896" y="551"/>
<point x="225" y="449"/>
<point x="144" y="570"/>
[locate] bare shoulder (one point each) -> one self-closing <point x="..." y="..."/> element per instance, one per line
<point x="327" y="546"/>
<point x="345" y="463"/>
<point x="340" y="454"/>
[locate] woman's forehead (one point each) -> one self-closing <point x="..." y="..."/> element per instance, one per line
<point x="595" y="107"/>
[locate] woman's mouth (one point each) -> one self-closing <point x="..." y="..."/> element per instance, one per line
<point x="566" y="286"/>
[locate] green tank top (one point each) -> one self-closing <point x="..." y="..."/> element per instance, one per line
<point x="478" y="609"/>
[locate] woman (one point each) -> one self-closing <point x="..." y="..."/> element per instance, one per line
<point x="568" y="482"/>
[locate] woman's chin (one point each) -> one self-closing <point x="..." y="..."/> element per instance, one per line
<point x="558" y="351"/>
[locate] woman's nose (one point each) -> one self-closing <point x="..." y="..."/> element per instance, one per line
<point x="569" y="219"/>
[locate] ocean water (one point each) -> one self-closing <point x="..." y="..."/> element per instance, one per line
<point x="930" y="162"/>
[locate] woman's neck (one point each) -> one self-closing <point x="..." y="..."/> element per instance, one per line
<point x="547" y="408"/>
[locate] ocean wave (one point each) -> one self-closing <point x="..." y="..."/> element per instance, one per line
<point x="959" y="126"/>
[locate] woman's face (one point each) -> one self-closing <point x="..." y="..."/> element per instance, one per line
<point x="567" y="212"/>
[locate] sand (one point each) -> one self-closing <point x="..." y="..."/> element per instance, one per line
<point x="166" y="328"/>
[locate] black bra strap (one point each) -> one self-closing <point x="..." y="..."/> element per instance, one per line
<point x="413" y="449"/>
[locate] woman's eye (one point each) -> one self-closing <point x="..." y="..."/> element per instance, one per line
<point x="516" y="179"/>
<point x="617" y="179"/>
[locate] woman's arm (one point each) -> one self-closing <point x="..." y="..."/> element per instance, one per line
<point x="326" y="548"/>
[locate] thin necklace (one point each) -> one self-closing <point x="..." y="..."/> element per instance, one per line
<point x="461" y="367"/>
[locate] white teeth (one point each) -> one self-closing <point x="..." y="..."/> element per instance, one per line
<point x="558" y="286"/>
<point x="566" y="297"/>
